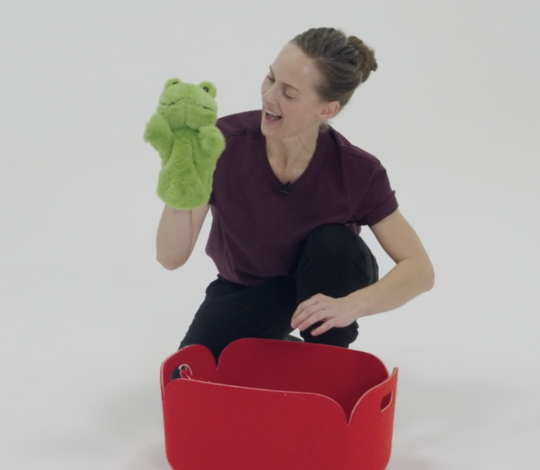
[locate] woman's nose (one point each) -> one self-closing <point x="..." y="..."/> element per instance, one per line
<point x="269" y="93"/>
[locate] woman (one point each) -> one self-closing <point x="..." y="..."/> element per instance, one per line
<point x="289" y="196"/>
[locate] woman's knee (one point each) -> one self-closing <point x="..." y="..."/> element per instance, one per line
<point x="337" y="249"/>
<point x="332" y="240"/>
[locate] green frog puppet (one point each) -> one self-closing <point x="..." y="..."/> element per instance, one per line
<point x="183" y="131"/>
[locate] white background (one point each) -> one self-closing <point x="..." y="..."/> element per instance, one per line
<point x="87" y="314"/>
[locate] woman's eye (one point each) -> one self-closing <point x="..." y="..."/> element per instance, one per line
<point x="272" y="79"/>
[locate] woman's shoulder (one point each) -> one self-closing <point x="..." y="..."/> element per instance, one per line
<point x="351" y="152"/>
<point x="239" y="124"/>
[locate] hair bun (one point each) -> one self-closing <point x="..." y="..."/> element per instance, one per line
<point x="367" y="63"/>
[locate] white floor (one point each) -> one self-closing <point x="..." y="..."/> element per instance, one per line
<point x="87" y="315"/>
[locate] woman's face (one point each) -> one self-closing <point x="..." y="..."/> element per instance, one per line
<point x="291" y="104"/>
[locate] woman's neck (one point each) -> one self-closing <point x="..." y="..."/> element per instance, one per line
<point x="292" y="151"/>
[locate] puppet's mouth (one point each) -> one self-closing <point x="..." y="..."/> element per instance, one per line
<point x="172" y="103"/>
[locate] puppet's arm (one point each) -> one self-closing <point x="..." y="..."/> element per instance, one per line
<point x="212" y="144"/>
<point x="158" y="133"/>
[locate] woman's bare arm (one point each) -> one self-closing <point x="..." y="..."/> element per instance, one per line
<point x="412" y="275"/>
<point x="177" y="234"/>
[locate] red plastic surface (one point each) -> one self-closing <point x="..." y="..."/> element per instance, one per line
<point x="273" y="405"/>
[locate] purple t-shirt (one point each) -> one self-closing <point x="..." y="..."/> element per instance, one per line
<point x="257" y="230"/>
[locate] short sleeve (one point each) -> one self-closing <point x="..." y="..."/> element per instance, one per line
<point x="379" y="200"/>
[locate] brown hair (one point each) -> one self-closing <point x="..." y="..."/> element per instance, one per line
<point x="344" y="62"/>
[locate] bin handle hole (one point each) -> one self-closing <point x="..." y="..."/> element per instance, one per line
<point x="387" y="401"/>
<point x="185" y="372"/>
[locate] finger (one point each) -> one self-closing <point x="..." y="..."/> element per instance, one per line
<point x="326" y="326"/>
<point x="303" y="310"/>
<point x="300" y="318"/>
<point x="319" y="315"/>
<point x="304" y="305"/>
<point x="305" y="315"/>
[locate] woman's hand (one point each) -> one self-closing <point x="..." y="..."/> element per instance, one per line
<point x="334" y="313"/>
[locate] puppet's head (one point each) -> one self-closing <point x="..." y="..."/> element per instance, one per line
<point x="183" y="104"/>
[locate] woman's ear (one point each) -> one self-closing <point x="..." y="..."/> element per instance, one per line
<point x="329" y="110"/>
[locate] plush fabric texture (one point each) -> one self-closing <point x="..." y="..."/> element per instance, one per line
<point x="183" y="131"/>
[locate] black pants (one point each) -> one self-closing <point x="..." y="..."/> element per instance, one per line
<point x="334" y="262"/>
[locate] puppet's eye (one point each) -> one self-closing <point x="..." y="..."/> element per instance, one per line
<point x="175" y="82"/>
<point x="206" y="89"/>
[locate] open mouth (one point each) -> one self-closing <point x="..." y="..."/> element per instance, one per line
<point x="272" y="116"/>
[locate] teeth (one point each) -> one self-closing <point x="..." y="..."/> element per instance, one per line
<point x="272" y="114"/>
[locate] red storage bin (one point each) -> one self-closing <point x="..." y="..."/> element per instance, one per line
<point x="278" y="405"/>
